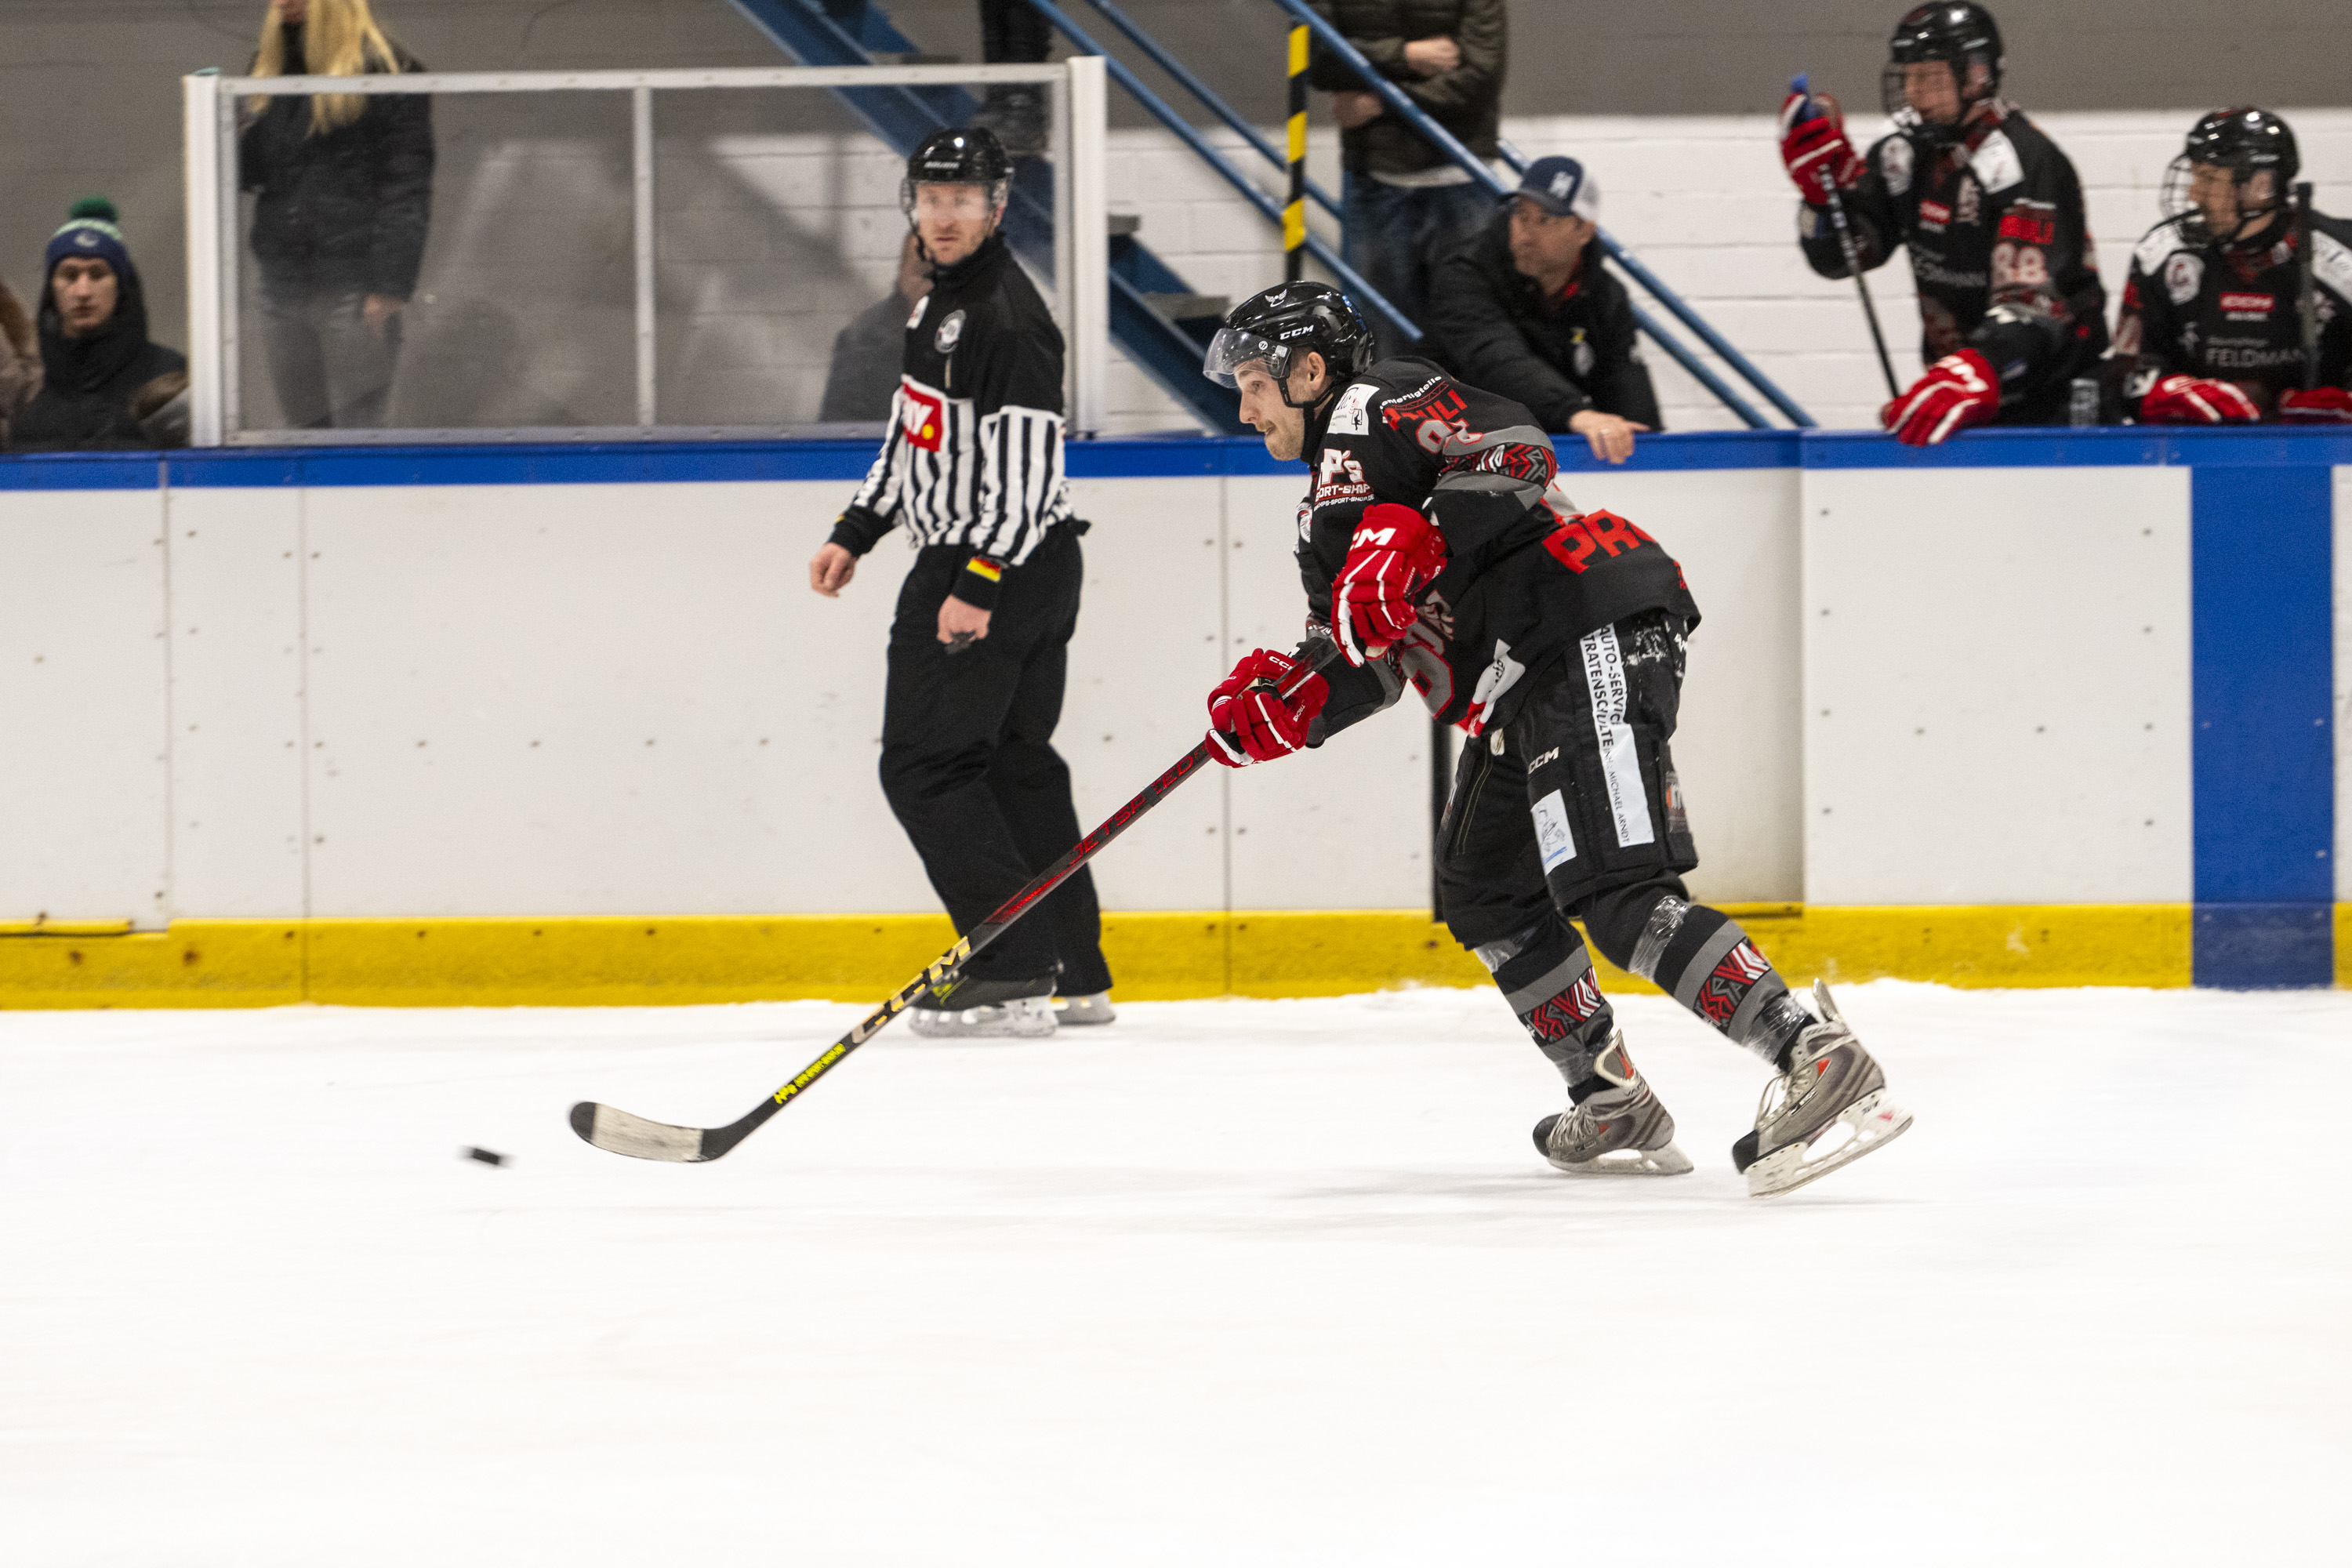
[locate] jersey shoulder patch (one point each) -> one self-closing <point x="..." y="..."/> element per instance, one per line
<point x="1996" y="164"/>
<point x="2331" y="264"/>
<point x="1350" y="415"/>
<point x="2155" y="245"/>
<point x="1895" y="159"/>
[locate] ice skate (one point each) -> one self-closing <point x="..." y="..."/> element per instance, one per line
<point x="1622" y="1131"/>
<point x="1083" y="1012"/>
<point x="1828" y="1109"/>
<point x="986" y="1010"/>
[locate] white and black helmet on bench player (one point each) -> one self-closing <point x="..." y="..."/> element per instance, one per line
<point x="1965" y="36"/>
<point x="2245" y="143"/>
<point x="1274" y="327"/>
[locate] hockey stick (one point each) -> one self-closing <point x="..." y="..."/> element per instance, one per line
<point x="2306" y="301"/>
<point x="1852" y="256"/>
<point x="620" y="1132"/>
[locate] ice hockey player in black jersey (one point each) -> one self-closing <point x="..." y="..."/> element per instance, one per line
<point x="1555" y="642"/>
<point x="979" y="652"/>
<point x="2213" y="326"/>
<point x="2010" y="310"/>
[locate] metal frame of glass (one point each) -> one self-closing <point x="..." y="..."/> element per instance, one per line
<point x="1081" y="294"/>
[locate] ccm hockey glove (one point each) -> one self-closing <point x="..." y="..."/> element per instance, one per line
<point x="2193" y="400"/>
<point x="1813" y="147"/>
<point x="1958" y="391"/>
<point x="1249" y="719"/>
<point x="1395" y="555"/>
<point x="2320" y="406"/>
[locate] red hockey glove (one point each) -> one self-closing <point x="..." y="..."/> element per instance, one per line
<point x="1395" y="555"/>
<point x="2193" y="400"/>
<point x="1249" y="719"/>
<point x="1814" y="148"/>
<point x="2320" y="406"/>
<point x="1958" y="391"/>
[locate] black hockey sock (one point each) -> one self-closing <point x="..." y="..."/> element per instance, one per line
<point x="1546" y="974"/>
<point x="1703" y="960"/>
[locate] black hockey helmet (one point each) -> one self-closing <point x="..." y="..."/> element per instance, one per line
<point x="2246" y="142"/>
<point x="971" y="156"/>
<point x="1956" y="31"/>
<point x="1290" y="319"/>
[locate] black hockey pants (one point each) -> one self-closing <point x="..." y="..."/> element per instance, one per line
<point x="968" y="766"/>
<point x="1572" y="809"/>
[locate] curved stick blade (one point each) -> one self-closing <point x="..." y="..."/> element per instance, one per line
<point x="619" y="1133"/>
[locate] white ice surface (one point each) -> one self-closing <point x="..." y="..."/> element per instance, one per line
<point x="1228" y="1283"/>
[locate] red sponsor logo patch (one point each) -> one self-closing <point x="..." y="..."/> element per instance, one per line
<point x="1934" y="214"/>
<point x="2030" y="227"/>
<point x="923" y="416"/>
<point x="2257" y="304"/>
<point x="1577" y="539"/>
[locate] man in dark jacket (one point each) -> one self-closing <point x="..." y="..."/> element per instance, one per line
<point x="338" y="228"/>
<point x="1405" y="202"/>
<point x="1525" y="311"/>
<point x="103" y="386"/>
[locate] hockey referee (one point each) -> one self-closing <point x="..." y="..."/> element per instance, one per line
<point x="979" y="651"/>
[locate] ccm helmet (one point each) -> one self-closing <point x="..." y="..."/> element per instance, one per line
<point x="1958" y="32"/>
<point x="969" y="157"/>
<point x="1289" y="319"/>
<point x="2246" y="142"/>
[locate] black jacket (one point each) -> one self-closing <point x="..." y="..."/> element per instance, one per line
<point x="2231" y="312"/>
<point x="1489" y="324"/>
<point x="87" y="383"/>
<point x="348" y="209"/>
<point x="1468" y="101"/>
<point x="1521" y="582"/>
<point x="972" y="460"/>
<point x="1999" y="251"/>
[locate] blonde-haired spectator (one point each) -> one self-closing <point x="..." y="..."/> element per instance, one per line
<point x="345" y="184"/>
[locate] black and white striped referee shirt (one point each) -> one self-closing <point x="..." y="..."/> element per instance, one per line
<point x="973" y="457"/>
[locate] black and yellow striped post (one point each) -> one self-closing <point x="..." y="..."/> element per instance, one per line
<point x="1294" y="212"/>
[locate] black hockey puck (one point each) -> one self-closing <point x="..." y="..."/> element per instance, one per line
<point x="486" y="1156"/>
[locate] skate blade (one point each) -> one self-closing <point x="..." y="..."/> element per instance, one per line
<point x="1666" y="1161"/>
<point x="979" y="1024"/>
<point x="1870" y="1122"/>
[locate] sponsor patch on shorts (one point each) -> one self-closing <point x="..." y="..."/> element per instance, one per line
<point x="1557" y="844"/>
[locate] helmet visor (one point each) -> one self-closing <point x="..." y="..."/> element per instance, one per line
<point x="1234" y="348"/>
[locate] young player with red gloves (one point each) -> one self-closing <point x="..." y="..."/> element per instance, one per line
<point x="1556" y="644"/>
<point x="2212" y="329"/>
<point x="2010" y="309"/>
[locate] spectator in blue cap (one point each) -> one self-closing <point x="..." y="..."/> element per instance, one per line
<point x="103" y="383"/>
<point x="1525" y="309"/>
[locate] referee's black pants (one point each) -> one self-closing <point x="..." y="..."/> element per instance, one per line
<point x="968" y="766"/>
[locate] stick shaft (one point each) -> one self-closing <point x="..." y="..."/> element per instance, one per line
<point x="1311" y="657"/>
<point x="2307" y="302"/>
<point x="1861" y="286"/>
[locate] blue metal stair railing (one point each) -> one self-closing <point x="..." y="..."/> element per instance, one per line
<point x="1177" y="70"/>
<point x="1446" y="143"/>
<point x="1353" y="282"/>
<point x="847" y="33"/>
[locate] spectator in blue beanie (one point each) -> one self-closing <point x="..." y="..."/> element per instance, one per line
<point x="103" y="385"/>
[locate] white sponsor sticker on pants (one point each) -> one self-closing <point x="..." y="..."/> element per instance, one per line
<point x="1605" y="677"/>
<point x="1552" y="837"/>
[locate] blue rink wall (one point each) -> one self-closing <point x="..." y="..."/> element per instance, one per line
<point x="2029" y="683"/>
